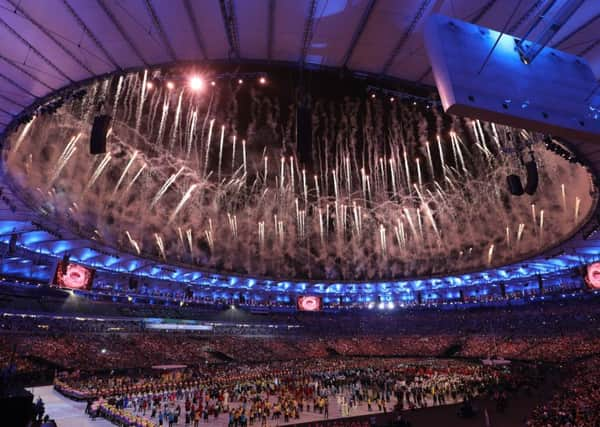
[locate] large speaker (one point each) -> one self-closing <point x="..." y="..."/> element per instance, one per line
<point x="514" y="185"/>
<point x="99" y="132"/>
<point x="532" y="177"/>
<point x="304" y="136"/>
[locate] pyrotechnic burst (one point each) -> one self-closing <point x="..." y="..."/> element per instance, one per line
<point x="417" y="193"/>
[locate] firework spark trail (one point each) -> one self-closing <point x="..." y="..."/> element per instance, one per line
<point x="321" y="226"/>
<point x="456" y="143"/>
<point x="490" y="254"/>
<point x="207" y="153"/>
<point x="176" y="121"/>
<point x="431" y="220"/>
<point x="138" y="120"/>
<point x="244" y="155"/>
<point x="133" y="243"/>
<point x="496" y="137"/>
<point x="22" y="135"/>
<point x="441" y="152"/>
<point x="191" y="133"/>
<point x="382" y="238"/>
<point x="117" y="96"/>
<point x="190" y="240"/>
<point x="165" y="187"/>
<point x="182" y="202"/>
<point x="221" y="154"/>
<point x="161" y="245"/>
<point x="120" y="181"/>
<point x="411" y="223"/>
<point x="520" y="231"/>
<point x="430" y="207"/>
<point x="233" y="154"/>
<point x="429" y="160"/>
<point x="101" y="166"/>
<point x="66" y="154"/>
<point x="163" y="119"/>
<point x="134" y="179"/>
<point x="406" y="168"/>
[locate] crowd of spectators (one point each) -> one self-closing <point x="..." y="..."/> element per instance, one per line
<point x="107" y="351"/>
<point x="576" y="404"/>
<point x="553" y="332"/>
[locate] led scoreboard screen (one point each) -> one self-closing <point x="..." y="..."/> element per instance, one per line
<point x="592" y="276"/>
<point x="309" y="303"/>
<point x="70" y="275"/>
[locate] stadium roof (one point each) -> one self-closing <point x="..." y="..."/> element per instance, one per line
<point x="46" y="45"/>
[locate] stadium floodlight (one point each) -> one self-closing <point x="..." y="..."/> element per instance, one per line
<point x="196" y="83"/>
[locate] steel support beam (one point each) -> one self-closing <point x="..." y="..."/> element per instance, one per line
<point x="51" y="36"/>
<point x="35" y="50"/>
<point x="195" y="28"/>
<point x="121" y="30"/>
<point x="161" y="30"/>
<point x="527" y="15"/>
<point x="24" y="71"/>
<point x="588" y="49"/>
<point x="8" y="113"/>
<point x="582" y="27"/>
<point x="405" y="36"/>
<point x="307" y="35"/>
<point x="91" y="35"/>
<point x="358" y="32"/>
<point x="7" y="99"/>
<point x="480" y="14"/>
<point x="230" y="23"/>
<point x="17" y="85"/>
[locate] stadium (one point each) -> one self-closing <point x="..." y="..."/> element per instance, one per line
<point x="299" y="212"/>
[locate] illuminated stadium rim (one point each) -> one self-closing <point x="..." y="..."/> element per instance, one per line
<point x="186" y="274"/>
